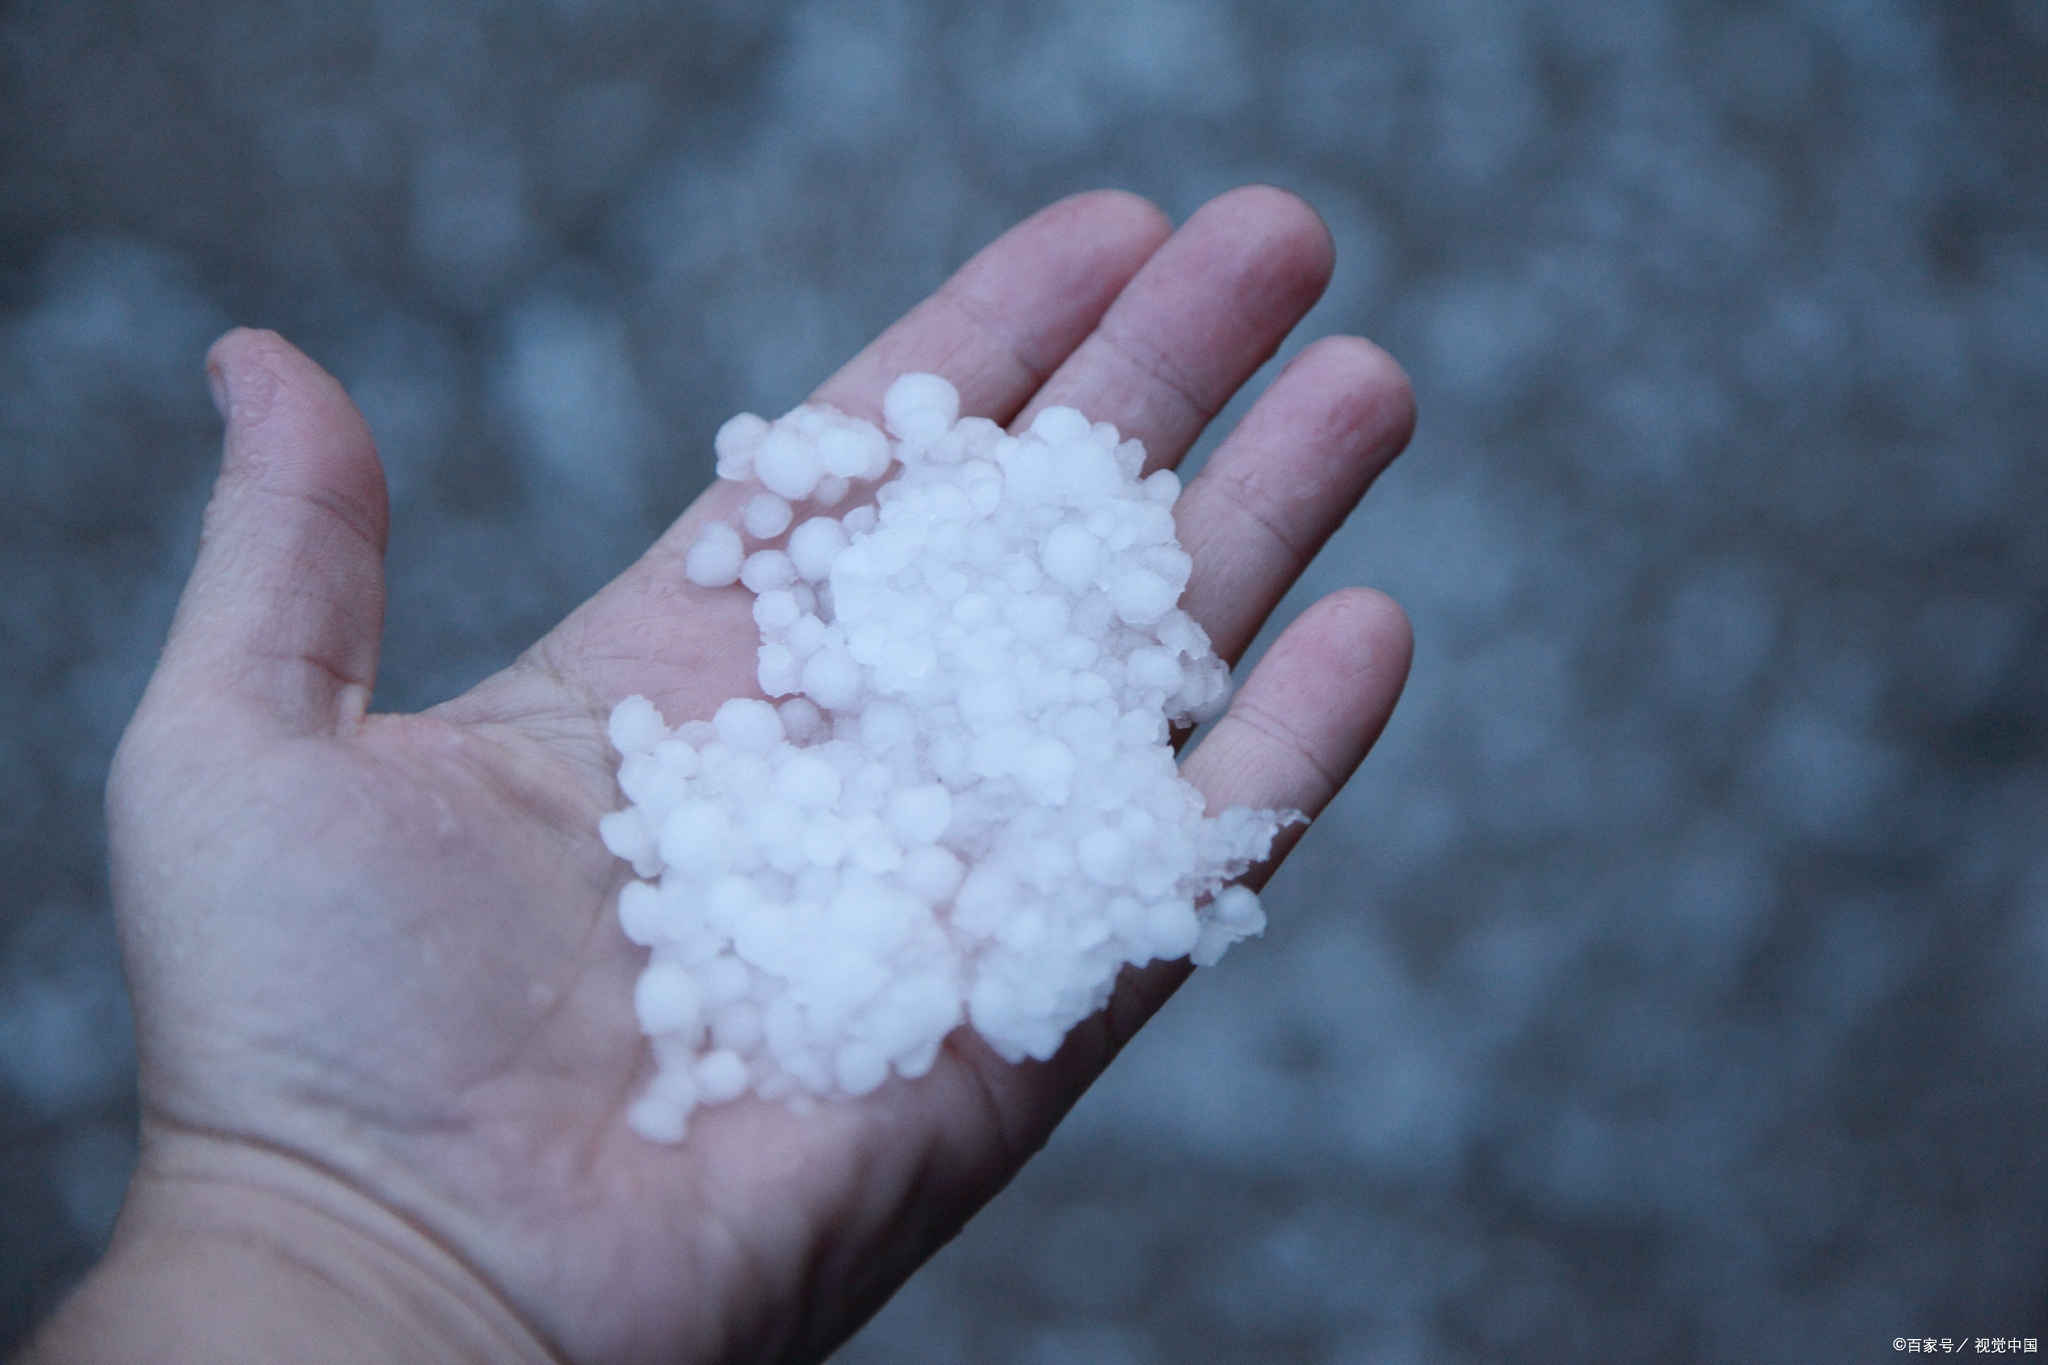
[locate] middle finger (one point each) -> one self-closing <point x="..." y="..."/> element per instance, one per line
<point x="1206" y="311"/>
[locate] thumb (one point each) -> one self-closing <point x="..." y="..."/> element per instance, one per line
<point x="282" y="617"/>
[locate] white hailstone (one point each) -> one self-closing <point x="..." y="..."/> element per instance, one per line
<point x="962" y="808"/>
<point x="1070" y="555"/>
<point x="779" y="671"/>
<point x="832" y="679"/>
<point x="776" y="610"/>
<point x="625" y="835"/>
<point x="1061" y="426"/>
<point x="920" y="408"/>
<point x="814" y="546"/>
<point x="636" y="727"/>
<point x="919" y="815"/>
<point x="668" y="998"/>
<point x="721" y="1075"/>
<point x="808" y="781"/>
<point x="767" y="569"/>
<point x="766" y="517"/>
<point x="746" y="726"/>
<point x="802" y="721"/>
<point x="787" y="464"/>
<point x="737" y="443"/>
<point x="696" y="838"/>
<point x="662" y="1113"/>
<point x="640" y="910"/>
<point x="1141" y="597"/>
<point x="714" y="557"/>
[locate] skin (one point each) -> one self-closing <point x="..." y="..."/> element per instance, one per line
<point x="383" y="1003"/>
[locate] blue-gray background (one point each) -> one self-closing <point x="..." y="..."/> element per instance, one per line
<point x="1673" y="982"/>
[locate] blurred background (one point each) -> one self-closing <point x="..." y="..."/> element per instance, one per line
<point x="1671" y="985"/>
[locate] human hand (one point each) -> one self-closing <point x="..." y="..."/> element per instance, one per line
<point x="384" y="1008"/>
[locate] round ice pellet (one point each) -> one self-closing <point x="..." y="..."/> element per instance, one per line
<point x="814" y="546"/>
<point x="747" y="725"/>
<point x="1058" y="425"/>
<point x="713" y="559"/>
<point x="1071" y="556"/>
<point x="787" y="465"/>
<point x="1141" y="597"/>
<point x="776" y="610"/>
<point x="809" y="781"/>
<point x="832" y="679"/>
<point x="767" y="569"/>
<point x="920" y="407"/>
<point x="736" y="444"/>
<point x="767" y="516"/>
<point x="668" y="999"/>
<point x="801" y="720"/>
<point x="721" y="1076"/>
<point x="635" y="726"/>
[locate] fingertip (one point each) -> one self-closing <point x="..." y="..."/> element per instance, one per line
<point x="1114" y="212"/>
<point x="1285" y="222"/>
<point x="1357" y="366"/>
<point x="238" y="341"/>
<point x="1374" y="634"/>
<point x="291" y="423"/>
<point x="245" y="369"/>
<point x="1347" y="657"/>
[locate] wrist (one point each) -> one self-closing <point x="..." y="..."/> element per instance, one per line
<point x="230" y="1253"/>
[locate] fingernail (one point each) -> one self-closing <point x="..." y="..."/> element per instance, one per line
<point x="217" y="385"/>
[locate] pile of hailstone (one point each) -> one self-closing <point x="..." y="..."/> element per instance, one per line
<point x="963" y="805"/>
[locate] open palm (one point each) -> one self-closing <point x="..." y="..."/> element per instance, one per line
<point x="379" y="984"/>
